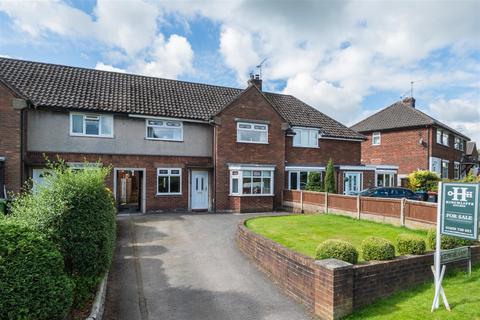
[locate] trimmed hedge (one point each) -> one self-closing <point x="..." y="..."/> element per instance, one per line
<point x="337" y="249"/>
<point x="448" y="242"/>
<point x="77" y="212"/>
<point x="410" y="244"/>
<point x="33" y="282"/>
<point x="374" y="248"/>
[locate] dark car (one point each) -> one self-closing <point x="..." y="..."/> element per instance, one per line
<point x="390" y="192"/>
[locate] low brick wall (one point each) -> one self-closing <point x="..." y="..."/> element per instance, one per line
<point x="331" y="288"/>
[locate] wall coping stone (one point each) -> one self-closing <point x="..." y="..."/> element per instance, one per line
<point x="333" y="264"/>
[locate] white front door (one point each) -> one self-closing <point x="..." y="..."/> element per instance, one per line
<point x="352" y="182"/>
<point x="38" y="177"/>
<point x="199" y="189"/>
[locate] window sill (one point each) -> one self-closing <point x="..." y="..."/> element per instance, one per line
<point x="168" y="194"/>
<point x="306" y="147"/>
<point x="251" y="195"/>
<point x="252" y="142"/>
<point x="90" y="136"/>
<point x="170" y="140"/>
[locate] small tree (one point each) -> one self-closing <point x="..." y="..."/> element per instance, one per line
<point x="330" y="178"/>
<point x="314" y="182"/>
<point x="423" y="180"/>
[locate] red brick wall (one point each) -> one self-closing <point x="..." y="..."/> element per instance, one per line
<point x="445" y="153"/>
<point x="340" y="151"/>
<point x="251" y="204"/>
<point x="253" y="106"/>
<point x="150" y="163"/>
<point x="398" y="147"/>
<point x="10" y="140"/>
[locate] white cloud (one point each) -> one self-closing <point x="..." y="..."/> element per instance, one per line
<point x="107" y="67"/>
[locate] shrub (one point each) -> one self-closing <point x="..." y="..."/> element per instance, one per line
<point x="33" y="282"/>
<point x="3" y="207"/>
<point x="423" y="180"/>
<point x="448" y="242"/>
<point x="77" y="212"/>
<point x="374" y="248"/>
<point x="410" y="244"/>
<point x="337" y="249"/>
<point x="314" y="182"/>
<point x="330" y="178"/>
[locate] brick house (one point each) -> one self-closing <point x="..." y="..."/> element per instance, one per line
<point x="405" y="136"/>
<point x="172" y="145"/>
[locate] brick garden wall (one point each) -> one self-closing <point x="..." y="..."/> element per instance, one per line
<point x="331" y="288"/>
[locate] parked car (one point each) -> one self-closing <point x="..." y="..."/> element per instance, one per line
<point x="390" y="192"/>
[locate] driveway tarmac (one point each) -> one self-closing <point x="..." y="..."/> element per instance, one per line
<point x="187" y="266"/>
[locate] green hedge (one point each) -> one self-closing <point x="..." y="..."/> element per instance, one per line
<point x="33" y="282"/>
<point x="77" y="212"/>
<point x="337" y="249"/>
<point x="410" y="244"/>
<point x="3" y="207"/>
<point x="374" y="248"/>
<point x="448" y="242"/>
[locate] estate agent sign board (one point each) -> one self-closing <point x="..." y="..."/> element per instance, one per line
<point x="457" y="215"/>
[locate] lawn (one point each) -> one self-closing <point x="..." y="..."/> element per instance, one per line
<point x="462" y="293"/>
<point x="303" y="233"/>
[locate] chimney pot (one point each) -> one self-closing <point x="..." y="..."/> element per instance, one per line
<point x="410" y="101"/>
<point x="256" y="81"/>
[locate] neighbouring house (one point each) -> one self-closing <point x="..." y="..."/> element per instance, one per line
<point x="172" y="145"/>
<point x="471" y="159"/>
<point x="405" y="136"/>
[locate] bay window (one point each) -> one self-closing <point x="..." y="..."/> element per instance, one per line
<point x="91" y="125"/>
<point x="252" y="132"/>
<point x="169" y="181"/>
<point x="305" y="137"/>
<point x="251" y="182"/>
<point x="164" y="130"/>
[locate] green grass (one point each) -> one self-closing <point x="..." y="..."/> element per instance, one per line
<point x="303" y="233"/>
<point x="462" y="292"/>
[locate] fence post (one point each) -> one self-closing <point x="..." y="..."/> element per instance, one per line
<point x="301" y="201"/>
<point x="402" y="212"/>
<point x="358" y="207"/>
<point x="326" y="202"/>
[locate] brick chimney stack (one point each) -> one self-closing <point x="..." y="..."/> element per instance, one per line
<point x="256" y="80"/>
<point x="409" y="101"/>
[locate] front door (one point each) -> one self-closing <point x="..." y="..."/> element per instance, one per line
<point x="352" y="182"/>
<point x="199" y="189"/>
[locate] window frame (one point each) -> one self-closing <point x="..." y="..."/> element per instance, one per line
<point x="252" y="124"/>
<point x="447" y="167"/>
<point x="169" y="174"/>
<point x="298" y="130"/>
<point x="456" y="170"/>
<point x="162" y="126"/>
<point x="101" y="118"/>
<point x="299" y="172"/>
<point x="239" y="176"/>
<point x="391" y="179"/>
<point x="376" y="134"/>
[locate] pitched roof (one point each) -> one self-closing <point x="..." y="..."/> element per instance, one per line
<point x="399" y="115"/>
<point x="71" y="88"/>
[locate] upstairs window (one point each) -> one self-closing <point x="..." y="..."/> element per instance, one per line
<point x="252" y="132"/>
<point x="305" y="137"/>
<point x="91" y="125"/>
<point x="439" y="136"/>
<point x="376" y="139"/>
<point x="164" y="130"/>
<point x="458" y="144"/>
<point x="443" y="137"/>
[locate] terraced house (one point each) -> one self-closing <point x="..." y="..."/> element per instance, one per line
<point x="172" y="145"/>
<point x="402" y="135"/>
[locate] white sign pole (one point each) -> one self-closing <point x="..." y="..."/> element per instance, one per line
<point x="438" y="248"/>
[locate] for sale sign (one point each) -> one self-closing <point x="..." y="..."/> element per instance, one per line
<point x="459" y="210"/>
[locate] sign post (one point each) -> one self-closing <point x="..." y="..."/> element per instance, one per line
<point x="457" y="215"/>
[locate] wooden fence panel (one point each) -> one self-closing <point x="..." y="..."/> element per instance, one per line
<point x="421" y="211"/>
<point x="382" y="207"/>
<point x="341" y="202"/>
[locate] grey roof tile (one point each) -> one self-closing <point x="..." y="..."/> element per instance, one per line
<point x="72" y="88"/>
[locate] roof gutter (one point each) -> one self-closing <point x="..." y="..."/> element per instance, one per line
<point x="343" y="139"/>
<point x="141" y="116"/>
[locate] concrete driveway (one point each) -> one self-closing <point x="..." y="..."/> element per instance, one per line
<point x="187" y="266"/>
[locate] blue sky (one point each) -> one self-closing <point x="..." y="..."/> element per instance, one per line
<point x="348" y="59"/>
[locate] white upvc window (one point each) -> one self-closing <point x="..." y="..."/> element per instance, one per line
<point x="456" y="170"/>
<point x="439" y="136"/>
<point x="436" y="165"/>
<point x="251" y="182"/>
<point x="159" y="129"/>
<point x="459" y="144"/>
<point x="445" y="137"/>
<point x="297" y="180"/>
<point x="169" y="181"/>
<point x="445" y="169"/>
<point x="91" y="125"/>
<point x="305" y="137"/>
<point x="248" y="132"/>
<point x="385" y="179"/>
<point x="376" y="139"/>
